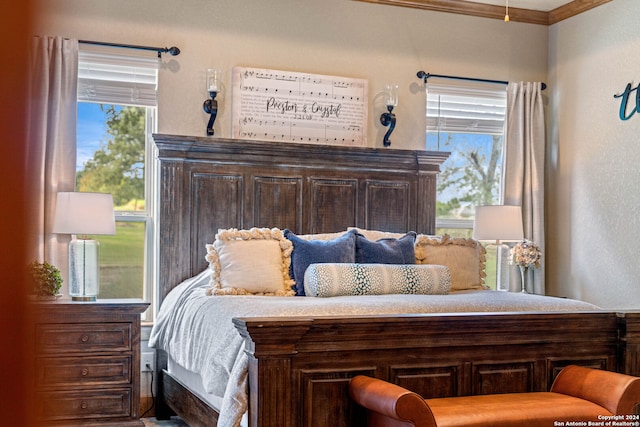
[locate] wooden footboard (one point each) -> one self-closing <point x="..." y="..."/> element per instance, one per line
<point x="300" y="367"/>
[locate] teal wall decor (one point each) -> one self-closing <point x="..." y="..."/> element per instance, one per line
<point x="625" y="101"/>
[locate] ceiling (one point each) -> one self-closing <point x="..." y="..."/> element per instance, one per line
<point x="541" y="12"/>
<point x="543" y="5"/>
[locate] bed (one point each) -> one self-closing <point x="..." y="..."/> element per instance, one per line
<point x="291" y="364"/>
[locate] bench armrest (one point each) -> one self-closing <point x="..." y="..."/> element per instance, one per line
<point x="390" y="404"/>
<point x="618" y="393"/>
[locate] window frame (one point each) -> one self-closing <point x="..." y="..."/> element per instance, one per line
<point x="488" y="96"/>
<point x="463" y="227"/>
<point x="150" y="214"/>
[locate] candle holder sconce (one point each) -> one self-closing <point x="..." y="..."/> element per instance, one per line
<point x="388" y="118"/>
<point x="210" y="105"/>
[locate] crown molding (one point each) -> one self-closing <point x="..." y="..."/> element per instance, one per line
<point x="483" y="10"/>
<point x="573" y="8"/>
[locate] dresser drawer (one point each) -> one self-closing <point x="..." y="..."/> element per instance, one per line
<point x="85" y="367"/>
<point x="83" y="404"/>
<point x="83" y="337"/>
<point x="79" y="371"/>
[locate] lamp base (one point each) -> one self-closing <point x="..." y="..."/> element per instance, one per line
<point x="84" y="271"/>
<point x="503" y="280"/>
<point x="83" y="298"/>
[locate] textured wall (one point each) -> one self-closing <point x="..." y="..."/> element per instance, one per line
<point x="336" y="37"/>
<point x="593" y="234"/>
<point x="593" y="180"/>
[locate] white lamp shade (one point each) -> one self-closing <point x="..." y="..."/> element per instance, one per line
<point x="84" y="213"/>
<point x="498" y="223"/>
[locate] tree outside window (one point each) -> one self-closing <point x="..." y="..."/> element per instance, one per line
<point x="117" y="166"/>
<point x="468" y="121"/>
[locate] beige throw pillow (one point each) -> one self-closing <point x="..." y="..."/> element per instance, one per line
<point x="250" y="262"/>
<point x="465" y="259"/>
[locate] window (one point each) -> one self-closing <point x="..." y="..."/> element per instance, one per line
<point x="116" y="118"/>
<point x="467" y="120"/>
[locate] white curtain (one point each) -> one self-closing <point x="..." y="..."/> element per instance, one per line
<point x="524" y="167"/>
<point x="51" y="139"/>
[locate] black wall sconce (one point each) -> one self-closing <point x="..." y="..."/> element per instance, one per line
<point x="210" y="106"/>
<point x="388" y="118"/>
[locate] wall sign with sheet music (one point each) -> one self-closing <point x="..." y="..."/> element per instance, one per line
<point x="297" y="107"/>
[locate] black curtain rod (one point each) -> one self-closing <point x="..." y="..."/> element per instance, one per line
<point x="173" y="51"/>
<point x="424" y="76"/>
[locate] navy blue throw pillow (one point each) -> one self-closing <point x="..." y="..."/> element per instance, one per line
<point x="307" y="252"/>
<point x="386" y="251"/>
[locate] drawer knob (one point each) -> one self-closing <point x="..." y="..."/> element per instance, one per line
<point x="84" y="372"/>
<point x="85" y="338"/>
<point x="84" y="405"/>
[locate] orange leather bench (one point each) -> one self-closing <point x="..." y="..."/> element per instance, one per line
<point x="578" y="394"/>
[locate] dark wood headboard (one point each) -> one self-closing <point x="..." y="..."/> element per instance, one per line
<point x="212" y="183"/>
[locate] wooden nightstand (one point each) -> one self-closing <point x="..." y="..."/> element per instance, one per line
<point x="87" y="362"/>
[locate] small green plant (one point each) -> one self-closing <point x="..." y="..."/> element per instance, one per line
<point x="47" y="280"/>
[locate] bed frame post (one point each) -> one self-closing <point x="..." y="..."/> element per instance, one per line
<point x="629" y="343"/>
<point x="163" y="411"/>
<point x="270" y="349"/>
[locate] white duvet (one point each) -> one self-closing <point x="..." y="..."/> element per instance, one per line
<point x="197" y="332"/>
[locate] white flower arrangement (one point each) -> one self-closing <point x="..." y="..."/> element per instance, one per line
<point x="525" y="254"/>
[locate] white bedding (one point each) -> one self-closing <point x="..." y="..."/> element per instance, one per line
<point x="197" y="332"/>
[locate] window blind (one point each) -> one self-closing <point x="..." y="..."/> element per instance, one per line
<point x="473" y="108"/>
<point x="117" y="78"/>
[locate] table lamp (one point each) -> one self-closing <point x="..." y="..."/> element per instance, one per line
<point x="83" y="214"/>
<point x="500" y="223"/>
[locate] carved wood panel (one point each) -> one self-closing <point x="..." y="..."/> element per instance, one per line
<point x="491" y="378"/>
<point x="554" y="366"/>
<point x="426" y="206"/>
<point x="333" y="205"/>
<point x="632" y="360"/>
<point x="432" y="381"/>
<point x="174" y="239"/>
<point x="216" y="204"/>
<point x="387" y="205"/>
<point x="277" y="202"/>
<point x="326" y="399"/>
